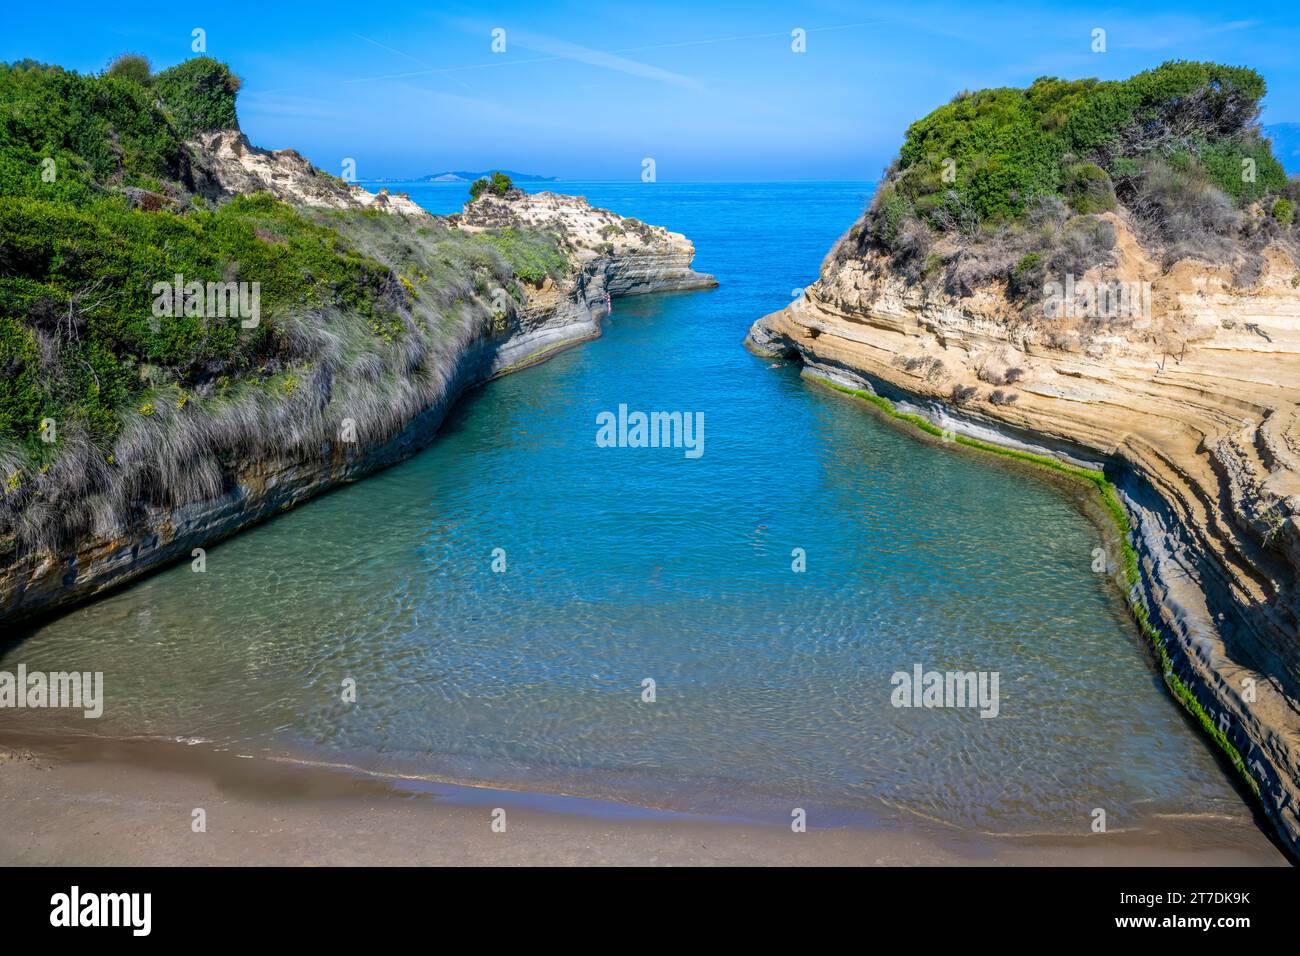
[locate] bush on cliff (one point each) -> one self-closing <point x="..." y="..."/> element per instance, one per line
<point x="1284" y="212"/>
<point x="1177" y="148"/>
<point x="1089" y="188"/>
<point x="530" y="256"/>
<point x="498" y="184"/>
<point x="1000" y="148"/>
<point x="199" y="95"/>
<point x="68" y="137"/>
<point x="132" y="66"/>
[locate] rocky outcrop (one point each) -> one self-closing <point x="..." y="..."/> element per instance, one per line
<point x="1194" y="409"/>
<point x="631" y="256"/>
<point x="608" y="256"/>
<point x="612" y="256"/>
<point x="225" y="164"/>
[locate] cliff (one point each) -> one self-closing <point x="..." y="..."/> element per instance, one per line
<point x="229" y="165"/>
<point x="1106" y="272"/>
<point x="1193" y="410"/>
<point x="630" y="256"/>
<point x="377" y="316"/>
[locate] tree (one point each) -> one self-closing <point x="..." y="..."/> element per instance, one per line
<point x="499" y="184"/>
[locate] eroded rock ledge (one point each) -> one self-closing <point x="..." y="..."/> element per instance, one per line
<point x="227" y="164"/>
<point x="631" y="256"/>
<point x="608" y="256"/>
<point x="1203" y="444"/>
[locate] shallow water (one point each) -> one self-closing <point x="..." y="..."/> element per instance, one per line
<point x="773" y="687"/>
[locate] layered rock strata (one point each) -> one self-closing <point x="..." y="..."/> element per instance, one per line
<point x="1193" y="409"/>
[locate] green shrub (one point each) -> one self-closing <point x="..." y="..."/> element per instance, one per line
<point x="999" y="150"/>
<point x="1028" y="263"/>
<point x="1088" y="188"/>
<point x="95" y="130"/>
<point x="199" y="95"/>
<point x="106" y="257"/>
<point x="1027" y="273"/>
<point x="530" y="256"/>
<point x="890" y="209"/>
<point x="1059" y="137"/>
<point x="133" y="67"/>
<point x="1284" y="212"/>
<point x="499" y="184"/>
<point x="359" y="310"/>
<point x="21" y="398"/>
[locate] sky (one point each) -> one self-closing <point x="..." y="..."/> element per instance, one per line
<point x="709" y="91"/>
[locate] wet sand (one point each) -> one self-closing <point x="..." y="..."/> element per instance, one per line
<point x="99" y="802"/>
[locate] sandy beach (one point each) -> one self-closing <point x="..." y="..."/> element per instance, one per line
<point x="97" y="802"/>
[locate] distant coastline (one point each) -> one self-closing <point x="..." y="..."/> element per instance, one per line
<point x="465" y="176"/>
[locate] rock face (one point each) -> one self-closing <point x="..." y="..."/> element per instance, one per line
<point x="608" y="256"/>
<point x="632" y="256"/>
<point x="613" y="256"/>
<point x="226" y="164"/>
<point x="1202" y="438"/>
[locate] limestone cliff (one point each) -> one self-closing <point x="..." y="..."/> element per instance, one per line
<point x="1193" y="409"/>
<point x="185" y="476"/>
<point x="630" y="256"/>
<point x="227" y="164"/>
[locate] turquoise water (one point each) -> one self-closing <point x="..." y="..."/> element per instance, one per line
<point x="772" y="687"/>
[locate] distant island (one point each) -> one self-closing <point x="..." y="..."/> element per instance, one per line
<point x="464" y="176"/>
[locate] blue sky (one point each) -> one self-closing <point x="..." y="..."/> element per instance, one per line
<point x="588" y="90"/>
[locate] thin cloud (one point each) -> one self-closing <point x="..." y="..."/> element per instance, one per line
<point x="564" y="50"/>
<point x="382" y="46"/>
<point x="557" y="50"/>
<point x="459" y="82"/>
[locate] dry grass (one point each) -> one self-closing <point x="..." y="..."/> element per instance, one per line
<point x="378" y="371"/>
